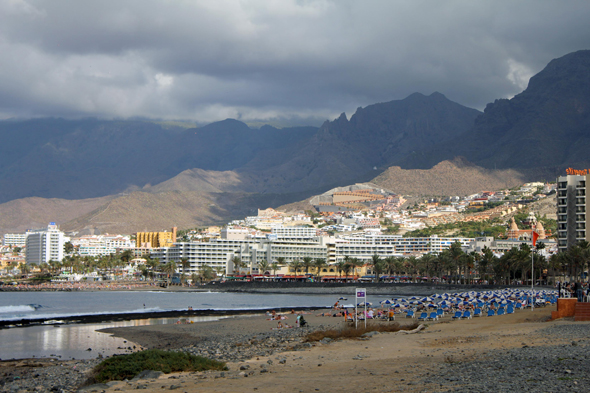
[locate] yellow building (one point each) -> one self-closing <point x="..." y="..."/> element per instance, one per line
<point x="155" y="239"/>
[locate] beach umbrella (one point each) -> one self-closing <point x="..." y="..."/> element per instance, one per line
<point x="363" y="304"/>
<point x="342" y="298"/>
<point x="432" y="305"/>
<point x="427" y="299"/>
<point x="386" y="301"/>
<point x="414" y="298"/>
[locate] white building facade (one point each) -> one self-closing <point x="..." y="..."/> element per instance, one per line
<point x="14" y="239"/>
<point x="45" y="245"/>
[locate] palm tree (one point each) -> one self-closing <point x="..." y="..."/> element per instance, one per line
<point x="307" y="264"/>
<point x="411" y="265"/>
<point x="184" y="262"/>
<point x="378" y="266"/>
<point x="554" y="264"/>
<point x="24" y="269"/>
<point x="238" y="264"/>
<point x="55" y="265"/>
<point x="485" y="262"/>
<point x="426" y="263"/>
<point x="153" y="264"/>
<point x="353" y="264"/>
<point x="219" y="271"/>
<point x="169" y="269"/>
<point x="127" y="256"/>
<point x="347" y="266"/>
<point x="319" y="264"/>
<point x="274" y="266"/>
<point x="295" y="266"/>
<point x="206" y="273"/>
<point x="263" y="267"/>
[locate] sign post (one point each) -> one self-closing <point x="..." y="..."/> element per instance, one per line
<point x="534" y="237"/>
<point x="361" y="293"/>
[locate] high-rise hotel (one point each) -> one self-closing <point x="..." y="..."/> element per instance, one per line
<point x="571" y="208"/>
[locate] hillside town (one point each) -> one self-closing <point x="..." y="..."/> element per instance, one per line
<point x="358" y="232"/>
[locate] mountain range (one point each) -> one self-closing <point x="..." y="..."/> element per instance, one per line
<point x="99" y="175"/>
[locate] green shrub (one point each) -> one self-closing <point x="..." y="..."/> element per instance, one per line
<point x="120" y="367"/>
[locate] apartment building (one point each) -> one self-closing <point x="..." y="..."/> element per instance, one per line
<point x="219" y="253"/>
<point x="45" y="245"/>
<point x="155" y="239"/>
<point x="572" y="205"/>
<point x="97" y="245"/>
<point x="365" y="246"/>
<point x="14" y="239"/>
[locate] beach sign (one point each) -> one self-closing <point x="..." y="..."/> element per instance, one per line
<point x="361" y="293"/>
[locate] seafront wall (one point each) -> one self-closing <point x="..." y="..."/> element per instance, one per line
<point x="320" y="288"/>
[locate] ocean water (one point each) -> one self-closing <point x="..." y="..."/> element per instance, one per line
<point x="75" y="340"/>
<point x="53" y="305"/>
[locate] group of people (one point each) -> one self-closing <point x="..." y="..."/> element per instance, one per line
<point x="75" y="286"/>
<point x="581" y="291"/>
<point x="299" y="320"/>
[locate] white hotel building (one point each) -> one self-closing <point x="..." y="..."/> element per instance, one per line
<point x="293" y="245"/>
<point x="44" y="245"/>
<point x="14" y="239"/>
<point x="97" y="245"/>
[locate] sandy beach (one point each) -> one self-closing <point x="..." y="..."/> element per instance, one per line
<point x="524" y="348"/>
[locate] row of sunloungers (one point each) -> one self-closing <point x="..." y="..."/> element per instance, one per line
<point x="490" y="310"/>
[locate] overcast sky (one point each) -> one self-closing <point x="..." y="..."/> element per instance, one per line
<point x="269" y="59"/>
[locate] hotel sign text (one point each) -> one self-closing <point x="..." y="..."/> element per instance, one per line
<point x="580" y="172"/>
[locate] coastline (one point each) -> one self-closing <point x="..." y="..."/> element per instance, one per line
<point x="113" y="317"/>
<point x="518" y="352"/>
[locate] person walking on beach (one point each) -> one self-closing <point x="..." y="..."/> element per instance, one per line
<point x="579" y="292"/>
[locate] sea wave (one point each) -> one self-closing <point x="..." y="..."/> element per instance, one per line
<point x="23" y="308"/>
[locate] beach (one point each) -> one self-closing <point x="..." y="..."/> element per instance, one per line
<point x="522" y="351"/>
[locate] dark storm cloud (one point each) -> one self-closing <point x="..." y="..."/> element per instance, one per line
<point x="208" y="60"/>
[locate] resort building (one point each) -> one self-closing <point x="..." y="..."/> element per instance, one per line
<point x="96" y="245"/>
<point x="155" y="239"/>
<point x="293" y="246"/>
<point x="220" y="253"/>
<point x="365" y="246"/>
<point x="14" y="239"/>
<point x="45" y="245"/>
<point x="571" y="209"/>
<point x="500" y="246"/>
<point x="295" y="232"/>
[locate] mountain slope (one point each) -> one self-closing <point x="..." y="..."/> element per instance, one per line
<point x="344" y="151"/>
<point x="33" y="213"/>
<point x="456" y="177"/>
<point x="546" y="126"/>
<point x="75" y="159"/>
